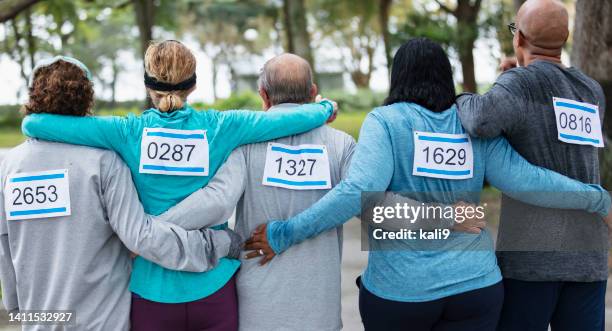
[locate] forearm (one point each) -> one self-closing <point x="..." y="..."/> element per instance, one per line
<point x="101" y="132"/>
<point x="8" y="279"/>
<point x="264" y="126"/>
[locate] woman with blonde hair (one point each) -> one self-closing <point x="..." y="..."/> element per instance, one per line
<point x="172" y="150"/>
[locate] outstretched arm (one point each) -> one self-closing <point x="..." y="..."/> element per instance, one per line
<point x="507" y="170"/>
<point x="248" y="127"/>
<point x="344" y="201"/>
<point x="106" y="132"/>
<point x="495" y="112"/>
<point x="163" y="243"/>
<point x="214" y="203"/>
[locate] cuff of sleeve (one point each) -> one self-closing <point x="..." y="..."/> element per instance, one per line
<point x="606" y="203"/>
<point x="221" y="243"/>
<point x="277" y="236"/>
<point x="328" y="106"/>
<point x="10" y="305"/>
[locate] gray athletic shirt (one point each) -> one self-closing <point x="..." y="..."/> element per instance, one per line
<point x="79" y="262"/>
<point x="539" y="244"/>
<point x="299" y="289"/>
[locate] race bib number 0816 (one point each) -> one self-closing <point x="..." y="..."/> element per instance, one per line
<point x="303" y="167"/>
<point x="37" y="195"/>
<point x="174" y="152"/>
<point x="439" y="155"/>
<point x="578" y="122"/>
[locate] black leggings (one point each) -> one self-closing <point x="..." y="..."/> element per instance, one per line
<point x="477" y="310"/>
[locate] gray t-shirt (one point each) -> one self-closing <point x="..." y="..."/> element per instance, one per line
<point x="299" y="289"/>
<point x="81" y="262"/>
<point x="539" y="244"/>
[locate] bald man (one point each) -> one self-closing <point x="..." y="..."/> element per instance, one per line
<point x="299" y="290"/>
<point x="554" y="262"/>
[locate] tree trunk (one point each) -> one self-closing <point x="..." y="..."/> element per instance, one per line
<point x="113" y="84"/>
<point x="11" y="8"/>
<point x="30" y="40"/>
<point x="467" y="34"/>
<point x="591" y="53"/>
<point x="383" y="16"/>
<point x="296" y="30"/>
<point x="145" y="18"/>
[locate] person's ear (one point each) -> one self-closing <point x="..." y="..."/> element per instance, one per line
<point x="264" y="97"/>
<point x="520" y="39"/>
<point x="314" y="90"/>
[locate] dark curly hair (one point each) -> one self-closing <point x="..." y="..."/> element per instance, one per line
<point x="60" y="88"/>
<point x="422" y="74"/>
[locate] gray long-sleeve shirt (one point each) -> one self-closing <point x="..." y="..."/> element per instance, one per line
<point x="82" y="262"/>
<point x="539" y="244"/>
<point x="300" y="289"/>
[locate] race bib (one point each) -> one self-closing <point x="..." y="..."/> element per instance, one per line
<point x="441" y="155"/>
<point x="37" y="195"/>
<point x="303" y="167"/>
<point x="174" y="152"/>
<point x="578" y="122"/>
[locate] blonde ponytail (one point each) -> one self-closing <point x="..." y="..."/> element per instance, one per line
<point x="169" y="62"/>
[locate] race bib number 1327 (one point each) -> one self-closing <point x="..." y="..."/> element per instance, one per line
<point x="41" y="194"/>
<point x="174" y="152"/>
<point x="303" y="167"/>
<point x="441" y="155"/>
<point x="578" y="122"/>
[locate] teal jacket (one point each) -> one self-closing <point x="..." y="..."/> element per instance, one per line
<point x="225" y="131"/>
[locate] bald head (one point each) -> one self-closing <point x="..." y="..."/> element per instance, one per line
<point x="544" y="25"/>
<point x="286" y="78"/>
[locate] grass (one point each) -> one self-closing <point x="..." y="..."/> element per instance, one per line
<point x="350" y="122"/>
<point x="10" y="137"/>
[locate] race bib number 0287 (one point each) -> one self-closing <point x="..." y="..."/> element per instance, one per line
<point x="439" y="155"/>
<point x="578" y="122"/>
<point x="37" y="195"/>
<point x="174" y="152"/>
<point x="303" y="167"/>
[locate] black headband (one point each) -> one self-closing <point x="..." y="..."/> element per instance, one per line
<point x="156" y="85"/>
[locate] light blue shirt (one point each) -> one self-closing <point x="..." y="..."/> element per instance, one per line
<point x="383" y="161"/>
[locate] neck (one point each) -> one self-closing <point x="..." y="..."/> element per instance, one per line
<point x="530" y="58"/>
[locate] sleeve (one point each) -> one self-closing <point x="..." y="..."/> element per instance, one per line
<point x="165" y="244"/>
<point x="349" y="150"/>
<point x="106" y="132"/>
<point x="507" y="170"/>
<point x="214" y="203"/>
<point x="495" y="112"/>
<point x="344" y="201"/>
<point x="8" y="279"/>
<point x="248" y="127"/>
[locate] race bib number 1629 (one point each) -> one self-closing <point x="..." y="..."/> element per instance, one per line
<point x="441" y="155"/>
<point x="174" y="152"/>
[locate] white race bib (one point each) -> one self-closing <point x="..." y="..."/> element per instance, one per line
<point x="303" y="167"/>
<point x="578" y="122"/>
<point x="37" y="195"/>
<point x="174" y="152"/>
<point x="441" y="155"/>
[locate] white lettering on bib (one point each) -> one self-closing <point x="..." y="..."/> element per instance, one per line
<point x="174" y="152"/>
<point x="440" y="155"/>
<point x="303" y="167"/>
<point x="41" y="194"/>
<point x="578" y="122"/>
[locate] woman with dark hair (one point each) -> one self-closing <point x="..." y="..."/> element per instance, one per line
<point x="456" y="285"/>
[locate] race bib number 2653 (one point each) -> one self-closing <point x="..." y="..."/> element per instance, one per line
<point x="578" y="122"/>
<point x="41" y="194"/>
<point x="441" y="155"/>
<point x="174" y="152"/>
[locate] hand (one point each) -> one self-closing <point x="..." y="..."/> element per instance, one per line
<point x="508" y="63"/>
<point x="258" y="243"/>
<point x="332" y="118"/>
<point x="472" y="224"/>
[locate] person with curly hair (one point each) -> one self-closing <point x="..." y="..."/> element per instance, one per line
<point x="69" y="216"/>
<point x="172" y="151"/>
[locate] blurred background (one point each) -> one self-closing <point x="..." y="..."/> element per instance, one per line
<point x="350" y="44"/>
